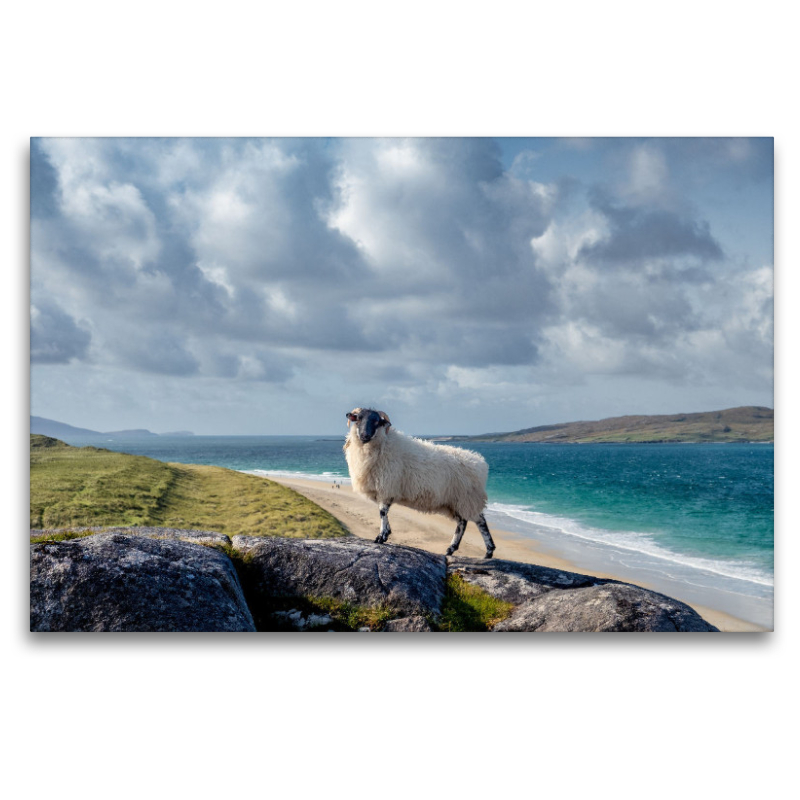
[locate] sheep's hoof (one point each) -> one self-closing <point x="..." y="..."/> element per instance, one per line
<point x="450" y="551"/>
<point x="380" y="540"/>
<point x="489" y="553"/>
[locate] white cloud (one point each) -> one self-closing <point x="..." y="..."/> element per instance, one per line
<point x="280" y="304"/>
<point x="558" y="247"/>
<point x="215" y="273"/>
<point x="647" y="178"/>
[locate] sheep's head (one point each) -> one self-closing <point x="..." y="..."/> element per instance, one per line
<point x="368" y="422"/>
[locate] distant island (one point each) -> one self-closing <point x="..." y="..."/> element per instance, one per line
<point x="60" y="430"/>
<point x="744" y="424"/>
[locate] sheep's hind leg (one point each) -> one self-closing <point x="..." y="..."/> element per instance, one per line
<point x="487" y="537"/>
<point x="462" y="524"/>
<point x="385" y="527"/>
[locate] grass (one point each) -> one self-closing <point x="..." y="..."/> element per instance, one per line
<point x="469" y="608"/>
<point x="345" y="616"/>
<point x="352" y="617"/>
<point x="62" y="536"/>
<point x="75" y="487"/>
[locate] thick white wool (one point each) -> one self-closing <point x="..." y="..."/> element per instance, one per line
<point x="435" y="479"/>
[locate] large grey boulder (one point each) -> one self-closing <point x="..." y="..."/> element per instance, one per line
<point x="406" y="580"/>
<point x="123" y="582"/>
<point x="554" y="600"/>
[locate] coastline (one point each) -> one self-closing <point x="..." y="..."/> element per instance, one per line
<point x="433" y="533"/>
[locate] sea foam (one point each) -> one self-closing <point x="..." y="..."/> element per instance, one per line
<point x="633" y="542"/>
<point x="323" y="477"/>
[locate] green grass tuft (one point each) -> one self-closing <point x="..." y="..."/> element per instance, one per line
<point x="352" y="617"/>
<point x="469" y="608"/>
<point x="61" y="536"/>
<point x="345" y="616"/>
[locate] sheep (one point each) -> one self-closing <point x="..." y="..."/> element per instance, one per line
<point x="389" y="467"/>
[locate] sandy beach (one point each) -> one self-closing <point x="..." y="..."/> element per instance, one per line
<point x="433" y="533"/>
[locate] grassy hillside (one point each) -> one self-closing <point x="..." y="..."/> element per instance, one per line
<point x="745" y="424"/>
<point x="87" y="486"/>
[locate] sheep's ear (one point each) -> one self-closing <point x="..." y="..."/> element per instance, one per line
<point x="384" y="419"/>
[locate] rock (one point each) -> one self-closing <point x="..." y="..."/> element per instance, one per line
<point x="121" y="582"/>
<point x="415" y="624"/>
<point x="163" y="579"/>
<point x="513" y="581"/>
<point x="609" y="607"/>
<point x="554" y="600"/>
<point x="200" y="537"/>
<point x="407" y="580"/>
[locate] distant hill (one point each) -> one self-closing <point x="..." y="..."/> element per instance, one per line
<point x="744" y="424"/>
<point x="60" y="430"/>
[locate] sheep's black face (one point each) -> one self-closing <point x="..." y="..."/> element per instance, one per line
<point x="368" y="422"/>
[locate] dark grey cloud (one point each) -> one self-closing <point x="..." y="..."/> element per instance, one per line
<point x="265" y="366"/>
<point x="649" y="310"/>
<point x="740" y="161"/>
<point x="483" y="346"/>
<point x="638" y="233"/>
<point x="44" y="182"/>
<point x="162" y="353"/>
<point x="259" y="364"/>
<point x="56" y="337"/>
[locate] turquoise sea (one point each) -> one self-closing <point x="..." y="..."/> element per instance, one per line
<point x="694" y="521"/>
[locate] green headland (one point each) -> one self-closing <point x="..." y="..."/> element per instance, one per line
<point x="77" y="487"/>
<point x="743" y="424"/>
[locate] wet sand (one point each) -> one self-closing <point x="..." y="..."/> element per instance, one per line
<point x="433" y="533"/>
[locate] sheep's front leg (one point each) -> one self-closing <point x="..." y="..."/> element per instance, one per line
<point x="487" y="537"/>
<point x="385" y="528"/>
<point x="462" y="524"/>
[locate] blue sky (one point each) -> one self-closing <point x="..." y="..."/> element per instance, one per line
<point x="463" y="285"/>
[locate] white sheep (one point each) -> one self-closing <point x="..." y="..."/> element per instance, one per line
<point x="390" y="467"/>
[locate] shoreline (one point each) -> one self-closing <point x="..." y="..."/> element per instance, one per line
<point x="434" y="532"/>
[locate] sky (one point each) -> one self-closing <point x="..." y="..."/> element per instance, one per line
<point x="268" y="286"/>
